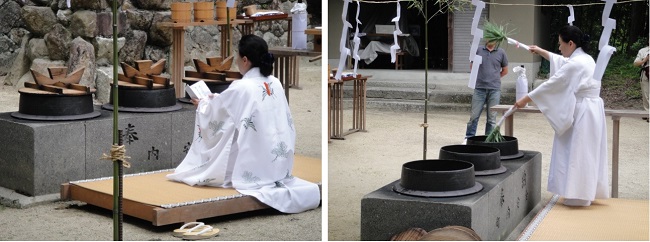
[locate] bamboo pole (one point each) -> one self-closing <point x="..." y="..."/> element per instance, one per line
<point x="426" y="78"/>
<point x="117" y="165"/>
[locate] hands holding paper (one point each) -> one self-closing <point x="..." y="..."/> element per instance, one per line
<point x="196" y="101"/>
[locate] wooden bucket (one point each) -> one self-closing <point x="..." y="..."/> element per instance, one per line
<point x="203" y="11"/>
<point x="181" y="12"/>
<point x="221" y="11"/>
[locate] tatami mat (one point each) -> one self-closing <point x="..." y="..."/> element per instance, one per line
<point x="155" y="189"/>
<point x="607" y="219"/>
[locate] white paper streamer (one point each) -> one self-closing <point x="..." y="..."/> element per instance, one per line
<point x="395" y="46"/>
<point x="607" y="10"/>
<point x="607" y="32"/>
<point x="603" y="58"/>
<point x="357" y="42"/>
<point x="571" y="17"/>
<point x="230" y="4"/>
<point x="472" y="77"/>
<point x="477" y="15"/>
<point x="477" y="39"/>
<point x="517" y="44"/>
<point x="344" y="36"/>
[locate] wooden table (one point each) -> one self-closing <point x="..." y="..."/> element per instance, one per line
<point x="178" y="46"/>
<point x="616" y="118"/>
<point x="318" y="41"/>
<point x="335" y="106"/>
<point x="286" y="66"/>
<point x="248" y="23"/>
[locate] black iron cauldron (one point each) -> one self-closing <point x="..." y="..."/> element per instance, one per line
<point x="509" y="148"/>
<point x="437" y="178"/>
<point x="486" y="160"/>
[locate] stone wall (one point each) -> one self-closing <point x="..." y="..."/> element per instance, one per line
<point x="36" y="34"/>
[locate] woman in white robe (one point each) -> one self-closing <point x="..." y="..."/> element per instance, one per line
<point x="244" y="138"/>
<point x="570" y="101"/>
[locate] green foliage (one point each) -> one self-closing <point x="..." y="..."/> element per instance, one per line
<point x="495" y="33"/>
<point x="622" y="75"/>
<point x="494" y="136"/>
<point x="639" y="44"/>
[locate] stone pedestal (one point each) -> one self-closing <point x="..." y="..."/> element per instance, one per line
<point x="36" y="157"/>
<point x="493" y="212"/>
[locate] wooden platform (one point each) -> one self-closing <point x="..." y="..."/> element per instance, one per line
<point x="152" y="197"/>
<point x="606" y="219"/>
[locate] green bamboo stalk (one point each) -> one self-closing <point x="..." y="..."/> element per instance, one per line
<point x="117" y="228"/>
<point x="227" y="32"/>
<point x="426" y="77"/>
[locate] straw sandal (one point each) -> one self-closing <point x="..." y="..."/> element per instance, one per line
<point x="204" y="232"/>
<point x="188" y="227"/>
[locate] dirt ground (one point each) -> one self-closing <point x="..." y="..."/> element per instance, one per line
<point x="78" y="221"/>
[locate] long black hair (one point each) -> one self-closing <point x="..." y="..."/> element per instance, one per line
<point x="573" y="33"/>
<point x="257" y="51"/>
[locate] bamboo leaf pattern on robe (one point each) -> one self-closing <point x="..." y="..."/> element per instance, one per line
<point x="288" y="176"/>
<point x="267" y="90"/>
<point x="216" y="126"/>
<point x="250" y="178"/>
<point x="279" y="184"/>
<point x="207" y="180"/>
<point x="280" y="151"/>
<point x="290" y="120"/>
<point x="248" y="123"/>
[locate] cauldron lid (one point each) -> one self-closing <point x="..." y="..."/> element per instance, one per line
<point x="398" y="188"/>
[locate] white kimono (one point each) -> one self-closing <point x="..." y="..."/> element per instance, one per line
<point x="244" y="138"/>
<point x="570" y="101"/>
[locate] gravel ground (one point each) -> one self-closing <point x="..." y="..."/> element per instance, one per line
<point x="72" y="220"/>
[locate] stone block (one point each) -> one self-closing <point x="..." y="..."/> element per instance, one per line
<point x="36" y="157"/>
<point x="493" y="212"/>
<point x="183" y="133"/>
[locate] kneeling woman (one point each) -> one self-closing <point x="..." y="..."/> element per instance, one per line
<point x="244" y="138"/>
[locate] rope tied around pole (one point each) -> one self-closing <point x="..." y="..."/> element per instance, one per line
<point x="118" y="152"/>
<point x="424" y="125"/>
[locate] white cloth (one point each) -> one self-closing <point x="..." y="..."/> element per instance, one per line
<point x="244" y="138"/>
<point x="369" y="54"/>
<point x="570" y="101"/>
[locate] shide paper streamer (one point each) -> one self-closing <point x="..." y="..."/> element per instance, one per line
<point x="395" y="46"/>
<point x="478" y="34"/>
<point x="357" y="42"/>
<point x="344" y="36"/>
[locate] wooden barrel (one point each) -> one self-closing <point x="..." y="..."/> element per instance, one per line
<point x="203" y="11"/>
<point x="181" y="12"/>
<point x="221" y="11"/>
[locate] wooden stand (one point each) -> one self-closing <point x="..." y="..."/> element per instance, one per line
<point x="286" y="66"/>
<point x="178" y="202"/>
<point x="358" y="106"/>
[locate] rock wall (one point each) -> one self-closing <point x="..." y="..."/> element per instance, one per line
<point x="36" y="34"/>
